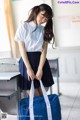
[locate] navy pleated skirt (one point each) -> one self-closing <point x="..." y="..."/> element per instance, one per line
<point x="34" y="58"/>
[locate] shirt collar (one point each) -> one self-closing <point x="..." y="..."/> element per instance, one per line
<point x="32" y="23"/>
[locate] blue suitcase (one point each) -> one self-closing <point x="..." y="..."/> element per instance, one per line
<point x="39" y="108"/>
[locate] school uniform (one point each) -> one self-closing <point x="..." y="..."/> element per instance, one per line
<point x="33" y="39"/>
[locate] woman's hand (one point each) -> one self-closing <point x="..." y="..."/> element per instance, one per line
<point x="39" y="74"/>
<point x="31" y="75"/>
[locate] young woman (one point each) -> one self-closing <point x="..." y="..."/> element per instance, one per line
<point x="33" y="39"/>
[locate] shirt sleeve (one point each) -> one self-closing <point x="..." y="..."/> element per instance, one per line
<point x="21" y="32"/>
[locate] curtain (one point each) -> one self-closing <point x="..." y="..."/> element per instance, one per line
<point x="10" y="28"/>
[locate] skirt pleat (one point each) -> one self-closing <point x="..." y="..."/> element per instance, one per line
<point x="34" y="58"/>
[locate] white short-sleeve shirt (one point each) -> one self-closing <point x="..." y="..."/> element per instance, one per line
<point x="32" y="38"/>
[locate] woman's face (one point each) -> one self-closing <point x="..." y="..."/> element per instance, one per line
<point x="41" y="18"/>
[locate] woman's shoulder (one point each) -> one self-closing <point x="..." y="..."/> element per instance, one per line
<point x="23" y="24"/>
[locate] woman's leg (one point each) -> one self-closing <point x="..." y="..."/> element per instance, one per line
<point x="38" y="92"/>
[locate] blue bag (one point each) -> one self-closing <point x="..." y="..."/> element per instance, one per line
<point x="41" y="107"/>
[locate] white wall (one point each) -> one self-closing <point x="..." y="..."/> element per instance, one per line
<point x="21" y="8"/>
<point x="69" y="62"/>
<point x="67" y="23"/>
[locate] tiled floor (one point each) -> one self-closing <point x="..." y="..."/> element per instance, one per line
<point x="69" y="100"/>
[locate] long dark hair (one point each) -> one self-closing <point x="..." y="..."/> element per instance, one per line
<point x="48" y="29"/>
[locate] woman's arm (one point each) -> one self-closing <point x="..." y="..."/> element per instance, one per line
<point x="42" y="61"/>
<point x="30" y="72"/>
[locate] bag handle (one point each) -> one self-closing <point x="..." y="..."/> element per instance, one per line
<point x="45" y="98"/>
